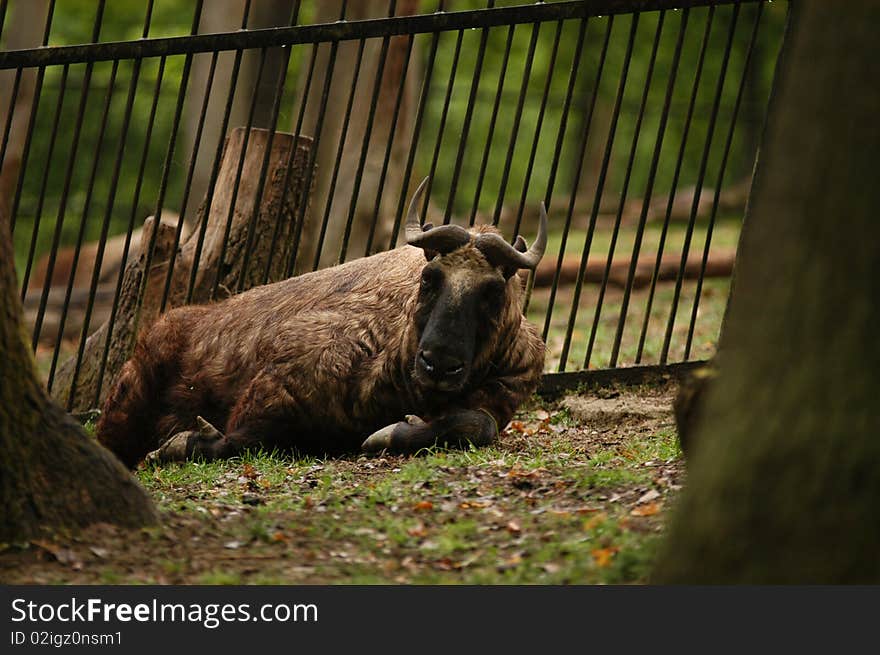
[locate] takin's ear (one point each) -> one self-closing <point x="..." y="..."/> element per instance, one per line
<point x="520" y="245"/>
<point x="429" y="254"/>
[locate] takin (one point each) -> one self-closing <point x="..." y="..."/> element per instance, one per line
<point x="419" y="346"/>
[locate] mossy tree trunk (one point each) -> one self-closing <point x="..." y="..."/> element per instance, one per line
<point x="785" y="484"/>
<point x="52" y="475"/>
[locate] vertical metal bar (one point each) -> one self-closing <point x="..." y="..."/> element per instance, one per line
<point x="466" y="125"/>
<point x="416" y="133"/>
<point x="328" y="205"/>
<point x="443" y="116"/>
<point x="600" y="187"/>
<point x="32" y="121"/>
<point x="83" y="221"/>
<point x="10" y="114"/>
<point x="38" y="214"/>
<point x="68" y="178"/>
<point x="218" y="156"/>
<point x="560" y="138"/>
<point x="699" y="185"/>
<point x="720" y="180"/>
<point x="313" y="153"/>
<point x="3" y="15"/>
<point x="392" y="131"/>
<point x="365" y="145"/>
<point x="111" y="321"/>
<point x="626" y="180"/>
<point x="575" y="183"/>
<point x="294" y="17"/>
<point x="290" y="159"/>
<point x="264" y="166"/>
<point x="649" y="186"/>
<point x="105" y="227"/>
<point x="187" y="185"/>
<point x="235" y="185"/>
<point x="490" y="133"/>
<point x="551" y="69"/>
<point x="675" y="175"/>
<point x="517" y="117"/>
<point x="166" y="167"/>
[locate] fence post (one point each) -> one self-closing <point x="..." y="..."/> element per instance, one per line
<point x="214" y="248"/>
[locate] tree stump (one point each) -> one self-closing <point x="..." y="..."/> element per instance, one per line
<point x="258" y="246"/>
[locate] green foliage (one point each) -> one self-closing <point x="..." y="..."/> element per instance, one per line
<point x="53" y="158"/>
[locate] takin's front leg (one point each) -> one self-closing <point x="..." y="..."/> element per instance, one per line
<point x="261" y="418"/>
<point x="455" y="429"/>
<point x="185" y="445"/>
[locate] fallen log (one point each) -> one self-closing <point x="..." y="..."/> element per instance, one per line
<point x="719" y="264"/>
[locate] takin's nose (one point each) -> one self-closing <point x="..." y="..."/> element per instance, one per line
<point x="440" y="366"/>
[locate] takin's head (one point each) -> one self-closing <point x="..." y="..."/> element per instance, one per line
<point x="466" y="296"/>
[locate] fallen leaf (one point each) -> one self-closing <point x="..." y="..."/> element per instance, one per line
<point x="474" y="504"/>
<point x="444" y="564"/>
<point x="513" y="527"/>
<point x="603" y="556"/>
<point x="280" y="537"/>
<point x="593" y="521"/>
<point x="647" y="497"/>
<point x="61" y="554"/>
<point x="250" y="472"/>
<point x="648" y="509"/>
<point x="418" y="530"/>
<point x="510" y="562"/>
<point x="232" y="545"/>
<point x="423" y="506"/>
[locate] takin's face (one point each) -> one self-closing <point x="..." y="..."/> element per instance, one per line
<point x="460" y="304"/>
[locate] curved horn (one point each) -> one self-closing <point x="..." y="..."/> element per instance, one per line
<point x="501" y="253"/>
<point x="443" y="239"/>
<point x="413" y="223"/>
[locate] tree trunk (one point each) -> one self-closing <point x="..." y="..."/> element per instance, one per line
<point x="223" y="267"/>
<point x="24" y="30"/>
<point x="785" y="477"/>
<point x="52" y="475"/>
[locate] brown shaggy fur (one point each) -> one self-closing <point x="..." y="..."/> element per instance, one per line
<point x="314" y="363"/>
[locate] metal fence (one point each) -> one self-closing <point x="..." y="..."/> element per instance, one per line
<point x="635" y="121"/>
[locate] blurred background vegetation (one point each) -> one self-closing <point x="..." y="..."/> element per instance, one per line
<point x="73" y="22"/>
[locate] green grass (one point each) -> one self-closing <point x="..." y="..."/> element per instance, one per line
<point x="491" y="515"/>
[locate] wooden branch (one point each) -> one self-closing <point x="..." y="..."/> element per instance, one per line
<point x="125" y="324"/>
<point x="720" y="264"/>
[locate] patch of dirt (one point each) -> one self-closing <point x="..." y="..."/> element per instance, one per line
<point x="615" y="409"/>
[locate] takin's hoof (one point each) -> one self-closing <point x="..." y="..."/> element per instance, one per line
<point x="173" y="450"/>
<point x="381" y="439"/>
<point x="179" y="447"/>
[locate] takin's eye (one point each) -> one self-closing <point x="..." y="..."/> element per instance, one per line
<point x="492" y="296"/>
<point x="431" y="279"/>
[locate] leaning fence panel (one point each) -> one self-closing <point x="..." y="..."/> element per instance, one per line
<point x="294" y="142"/>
